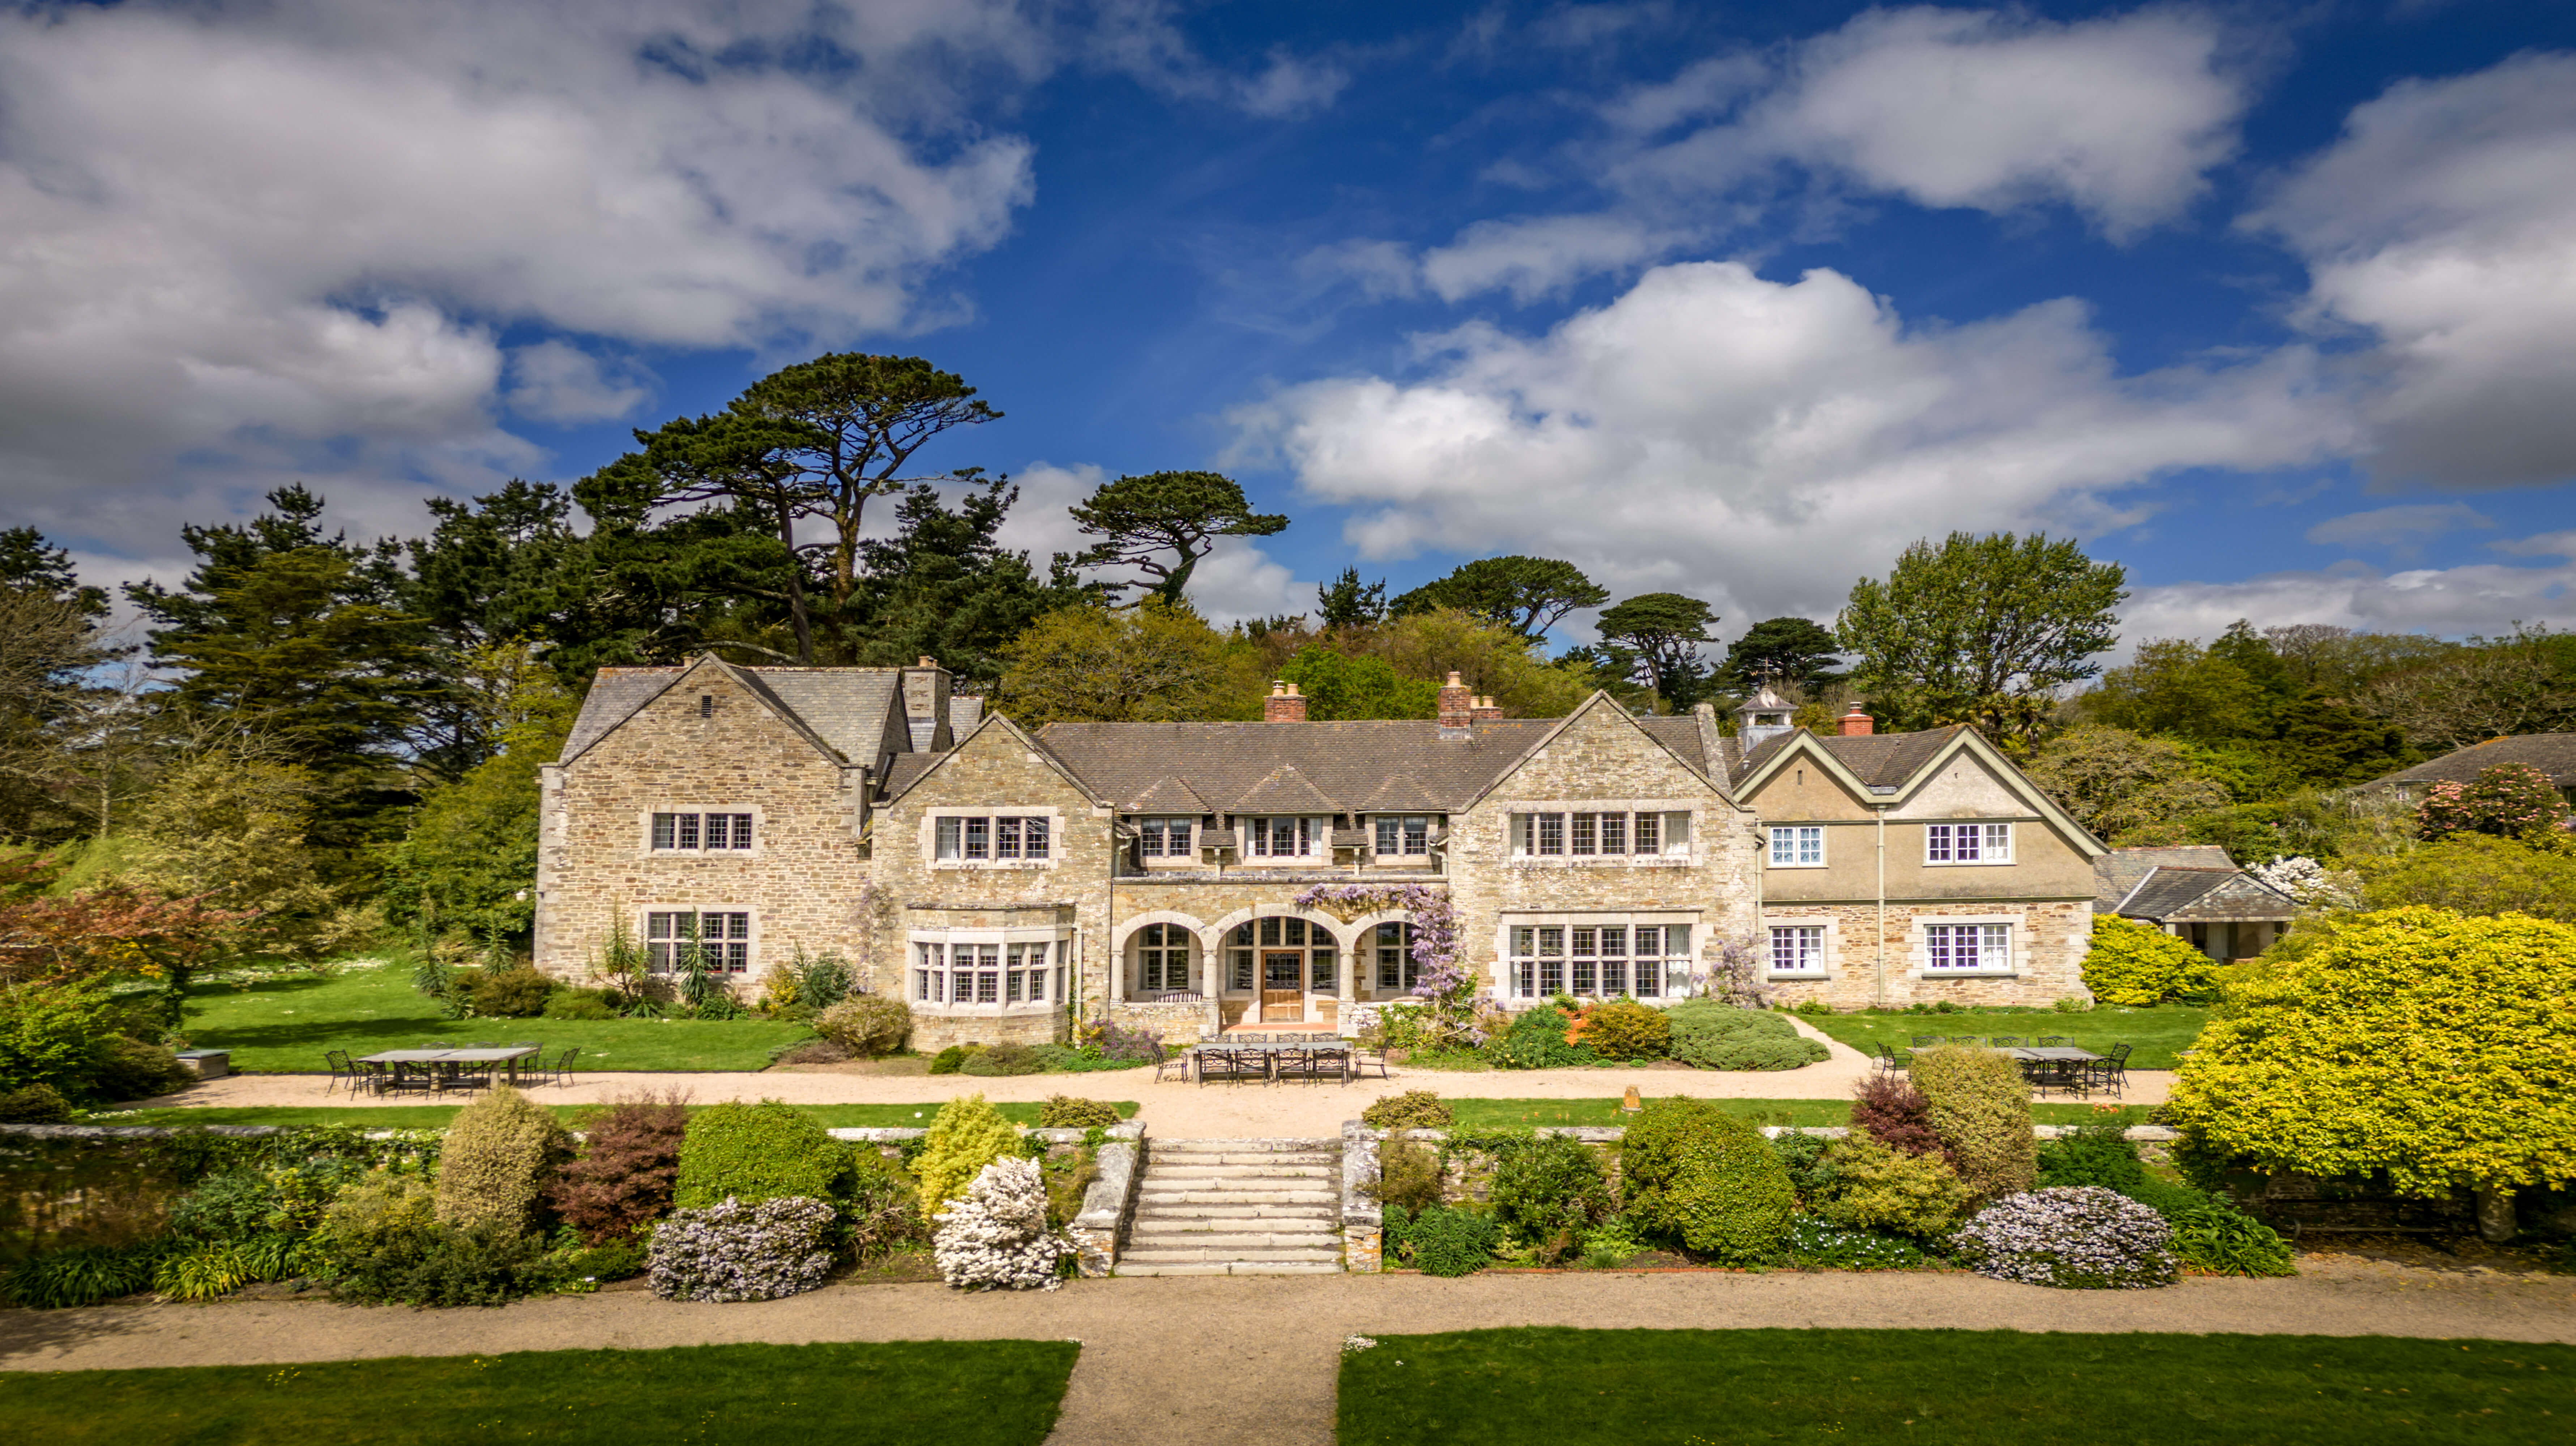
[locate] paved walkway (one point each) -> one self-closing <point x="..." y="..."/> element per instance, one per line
<point x="1254" y="1360"/>
<point x="1172" y="1108"/>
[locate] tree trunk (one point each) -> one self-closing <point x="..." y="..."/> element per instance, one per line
<point x="796" y="589"/>
<point x="2495" y="1214"/>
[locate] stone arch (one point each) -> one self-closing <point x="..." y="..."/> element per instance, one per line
<point x="1315" y="918"/>
<point x="1126" y="930"/>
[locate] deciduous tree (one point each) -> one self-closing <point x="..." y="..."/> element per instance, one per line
<point x="1148" y="663"/>
<point x="2113" y="780"/>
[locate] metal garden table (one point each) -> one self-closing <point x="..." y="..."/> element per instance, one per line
<point x="430" y="1060"/>
<point x="2063" y="1065"/>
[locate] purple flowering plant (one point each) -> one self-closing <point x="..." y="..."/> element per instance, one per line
<point x="733" y="1251"/>
<point x="1441" y="983"/>
<point x="2073" y="1237"/>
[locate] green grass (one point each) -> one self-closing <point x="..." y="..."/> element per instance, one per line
<point x="956" y="1393"/>
<point x="1552" y="1387"/>
<point x="285" y="1025"/>
<point x="436" y="1117"/>
<point x="2156" y="1032"/>
<point x="1478" y="1114"/>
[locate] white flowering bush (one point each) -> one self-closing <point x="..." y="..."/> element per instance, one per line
<point x="2074" y="1237"/>
<point x="2308" y="882"/>
<point x="733" y="1251"/>
<point x="996" y="1238"/>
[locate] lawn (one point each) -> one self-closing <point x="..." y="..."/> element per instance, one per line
<point x="437" y="1117"/>
<point x="1474" y="1114"/>
<point x="284" y="1025"/>
<point x="2156" y="1032"/>
<point x="956" y="1393"/>
<point x="1554" y="1387"/>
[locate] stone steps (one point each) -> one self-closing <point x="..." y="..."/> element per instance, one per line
<point x="1237" y="1207"/>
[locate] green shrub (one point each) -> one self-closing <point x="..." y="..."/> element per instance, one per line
<point x="618" y="1258"/>
<point x="1411" y="1110"/>
<point x="866" y="1024"/>
<point x="1691" y="1170"/>
<point x="1548" y="1190"/>
<point x="1446" y="1241"/>
<point x="758" y="1152"/>
<point x="1625" y="1029"/>
<point x="2139" y="964"/>
<point x="236" y="1205"/>
<point x="1711" y="1035"/>
<point x="1536" y="1040"/>
<point x="1408" y="1176"/>
<point x="2210" y="1233"/>
<point x="629" y="1166"/>
<point x="1070" y="1112"/>
<point x="129" y="1069"/>
<point x="500" y="1156"/>
<point x="35" y="1104"/>
<point x="2093" y="1155"/>
<point x="1003" y="1059"/>
<point x="884" y="1208"/>
<point x="50" y="1035"/>
<point x="581" y="1004"/>
<point x="965" y="1136"/>
<point x="948" y="1060"/>
<point x="1879" y="1189"/>
<point x="519" y="993"/>
<point x="1980" y="1107"/>
<point x="1818" y="1245"/>
<point x="85" y="1274"/>
<point x="382" y="1243"/>
<point x="1811" y="1175"/>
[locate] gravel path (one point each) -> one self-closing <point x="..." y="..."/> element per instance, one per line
<point x="1254" y="1359"/>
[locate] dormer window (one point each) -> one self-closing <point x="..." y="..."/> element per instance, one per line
<point x="1406" y="835"/>
<point x="1165" y="838"/>
<point x="1279" y="838"/>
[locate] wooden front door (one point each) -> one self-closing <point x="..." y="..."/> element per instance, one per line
<point x="1283" y="987"/>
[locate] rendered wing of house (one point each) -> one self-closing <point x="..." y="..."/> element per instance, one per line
<point x="1006" y="882"/>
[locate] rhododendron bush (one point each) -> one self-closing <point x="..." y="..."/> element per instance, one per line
<point x="997" y="1237"/>
<point x="733" y="1251"/>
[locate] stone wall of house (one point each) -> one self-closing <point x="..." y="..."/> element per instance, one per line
<point x="2051" y="939"/>
<point x="802" y="882"/>
<point x="1602" y="759"/>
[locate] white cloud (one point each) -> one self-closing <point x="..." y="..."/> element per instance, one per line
<point x="1139" y="39"/>
<point x="557" y="382"/>
<point x="2443" y="223"/>
<point x="1532" y="257"/>
<point x="1290" y="87"/>
<point x="1760" y="444"/>
<point x="2485" y="598"/>
<point x="1235" y="581"/>
<point x="285" y="235"/>
<point x="2403" y="527"/>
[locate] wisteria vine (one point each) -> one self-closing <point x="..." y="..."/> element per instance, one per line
<point x="1439" y="980"/>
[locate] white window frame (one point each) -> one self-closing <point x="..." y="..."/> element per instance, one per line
<point x="1008" y="948"/>
<point x="1987" y="843"/>
<point x="1561" y="833"/>
<point x="646" y="828"/>
<point x="1789" y="846"/>
<point x="1521" y="971"/>
<point x="670" y="940"/>
<point x="938" y="824"/>
<point x="1257" y="831"/>
<point x="2013" y="942"/>
<point x="1815" y="963"/>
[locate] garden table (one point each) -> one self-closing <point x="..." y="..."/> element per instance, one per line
<point x="1331" y="1043"/>
<point x="431" y="1060"/>
<point x="2062" y="1064"/>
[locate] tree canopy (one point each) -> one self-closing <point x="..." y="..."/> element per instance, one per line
<point x="1162" y="523"/>
<point x="1147" y="663"/>
<point x="1663" y="631"/>
<point x="1792" y="650"/>
<point x="1529" y="595"/>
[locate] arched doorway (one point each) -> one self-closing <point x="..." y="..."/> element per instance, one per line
<point x="1284" y="971"/>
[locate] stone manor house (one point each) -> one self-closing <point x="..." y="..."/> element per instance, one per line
<point x="1006" y="882"/>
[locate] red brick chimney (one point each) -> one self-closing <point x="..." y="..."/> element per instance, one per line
<point x="1486" y="710"/>
<point x="1857" y="724"/>
<point x="1457" y="704"/>
<point x="1284" y="705"/>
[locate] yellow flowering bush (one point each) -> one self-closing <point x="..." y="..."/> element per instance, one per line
<point x="2425" y="1043"/>
<point x="2133" y="963"/>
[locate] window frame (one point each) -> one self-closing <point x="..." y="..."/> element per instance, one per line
<point x="1941" y="844"/>
<point x="1409" y="832"/>
<point x="929" y="985"/>
<point x="742" y="816"/>
<point x="1156" y="939"/>
<point x="1524" y="962"/>
<point x="1261" y="827"/>
<point x="1998" y="946"/>
<point x="1156" y="830"/>
<point x="1797" y="836"/>
<point x="995" y="837"/>
<point x="1646" y="833"/>
<point x="1812" y="953"/>
<point x="670" y="943"/>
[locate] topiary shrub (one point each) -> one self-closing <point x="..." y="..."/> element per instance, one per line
<point x="2139" y="964"/>
<point x="627" y="1171"/>
<point x="966" y="1135"/>
<point x="129" y="1069"/>
<point x="1451" y="1242"/>
<point x="2073" y="1238"/>
<point x="1408" y="1177"/>
<point x="1548" y="1190"/>
<point x="1876" y="1188"/>
<point x="997" y="1237"/>
<point x="1980" y="1107"/>
<point x="751" y="1153"/>
<point x="1070" y="1112"/>
<point x="519" y="993"/>
<point x="866" y="1024"/>
<point x="1889" y="1109"/>
<point x="1003" y="1059"/>
<point x="948" y="1060"/>
<point x="500" y="1156"/>
<point x="741" y="1250"/>
<point x="35" y="1104"/>
<point x="1624" y="1029"/>
<point x="1691" y="1170"/>
<point x="1411" y="1110"/>
<point x="1711" y="1035"/>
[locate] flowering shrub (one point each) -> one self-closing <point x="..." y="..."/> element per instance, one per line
<point x="1819" y="1246"/>
<point x="2307" y="882"/>
<point x="2509" y="800"/>
<point x="1447" y="987"/>
<point x="733" y="1251"/>
<point x="997" y="1237"/>
<point x="2078" y="1237"/>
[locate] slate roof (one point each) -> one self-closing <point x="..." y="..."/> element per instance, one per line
<point x="906" y="769"/>
<point x="1167" y="795"/>
<point x="1339" y="767"/>
<point x="845" y="708"/>
<point x="615" y="694"/>
<point x="2171" y="895"/>
<point x="1881" y="760"/>
<point x="2551" y="753"/>
<point x="2117" y="872"/>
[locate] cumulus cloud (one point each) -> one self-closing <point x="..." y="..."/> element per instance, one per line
<point x="1760" y="443"/>
<point x="2402" y="528"/>
<point x="262" y="237"/>
<point x="556" y="382"/>
<point x="2485" y="598"/>
<point x="1532" y="257"/>
<point x="2442" y="224"/>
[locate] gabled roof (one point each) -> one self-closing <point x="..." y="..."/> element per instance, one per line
<point x="844" y="710"/>
<point x="2117" y="872"/>
<point x="1285" y="790"/>
<point x="1888" y="767"/>
<point x="1169" y="794"/>
<point x="1878" y="760"/>
<point x="901" y="780"/>
<point x="2551" y="753"/>
<point x="1678" y="736"/>
<point x="1225" y="762"/>
<point x="1401" y="794"/>
<point x="2183" y="895"/>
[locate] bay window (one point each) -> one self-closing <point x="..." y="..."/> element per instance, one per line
<point x="965" y="974"/>
<point x="1595" y="961"/>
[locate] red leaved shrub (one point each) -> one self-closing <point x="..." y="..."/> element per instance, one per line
<point x="625" y="1174"/>
<point x="1894" y="1113"/>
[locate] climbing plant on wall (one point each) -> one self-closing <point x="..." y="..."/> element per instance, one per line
<point x="1442" y="982"/>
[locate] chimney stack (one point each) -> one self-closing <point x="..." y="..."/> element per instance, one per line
<point x="1457" y="704"/>
<point x="1857" y="724"/>
<point x="1486" y="710"/>
<point x="1284" y="705"/>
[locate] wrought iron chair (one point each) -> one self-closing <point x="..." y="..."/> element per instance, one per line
<point x="2008" y="1041"/>
<point x="342" y="1071"/>
<point x="1928" y="1041"/>
<point x="561" y="1073"/>
<point x="1366" y="1057"/>
<point x="1888" y="1063"/>
<point x="2047" y="1041"/>
<point x="1171" y="1064"/>
<point x="2111" y="1072"/>
<point x="1970" y="1040"/>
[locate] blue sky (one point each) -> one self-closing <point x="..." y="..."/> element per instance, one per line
<point x="2272" y="303"/>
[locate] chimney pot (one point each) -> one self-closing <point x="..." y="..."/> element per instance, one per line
<point x="1486" y="709"/>
<point x="1284" y="705"/>
<point x="1857" y="724"/>
<point x="1457" y="706"/>
<point x="930" y="662"/>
